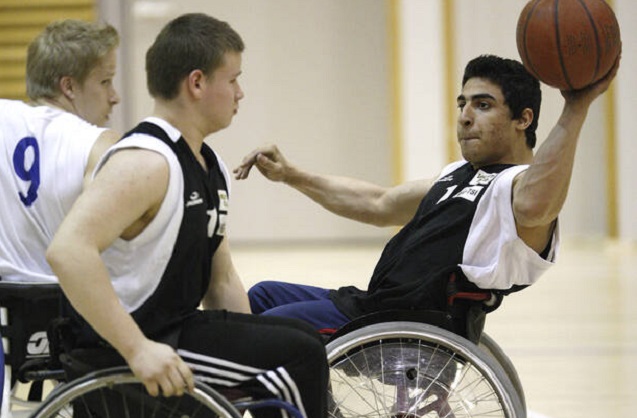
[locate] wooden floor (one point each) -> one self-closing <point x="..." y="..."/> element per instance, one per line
<point x="572" y="336"/>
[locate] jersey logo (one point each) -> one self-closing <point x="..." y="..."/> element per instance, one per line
<point x="194" y="199"/>
<point x="223" y="200"/>
<point x="223" y="211"/>
<point x="38" y="345"/>
<point x="482" y="179"/>
<point x="217" y="218"/>
<point x="445" y="179"/>
<point x="479" y="181"/>
<point x="470" y="193"/>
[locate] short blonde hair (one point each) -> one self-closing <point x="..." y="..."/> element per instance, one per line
<point x="66" y="48"/>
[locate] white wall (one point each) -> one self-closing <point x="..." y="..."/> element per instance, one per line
<point x="626" y="104"/>
<point x="318" y="83"/>
<point x="316" y="80"/>
<point x="421" y="90"/>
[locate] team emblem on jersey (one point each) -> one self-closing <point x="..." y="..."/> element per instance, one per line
<point x="223" y="211"/>
<point x="482" y="179"/>
<point x="477" y="183"/>
<point x="470" y="193"/>
<point x="223" y="200"/>
<point x="194" y="199"/>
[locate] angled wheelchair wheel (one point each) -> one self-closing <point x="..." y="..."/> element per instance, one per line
<point x="116" y="392"/>
<point x="406" y="369"/>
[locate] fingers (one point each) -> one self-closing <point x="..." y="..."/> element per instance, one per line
<point x="152" y="387"/>
<point x="162" y="371"/>
<point x="187" y="377"/>
<point x="248" y="161"/>
<point x="261" y="157"/>
<point x="174" y="382"/>
<point x="243" y="170"/>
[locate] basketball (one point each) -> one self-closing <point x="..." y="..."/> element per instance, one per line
<point x="568" y="44"/>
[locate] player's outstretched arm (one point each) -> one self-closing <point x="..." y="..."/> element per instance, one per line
<point x="348" y="197"/>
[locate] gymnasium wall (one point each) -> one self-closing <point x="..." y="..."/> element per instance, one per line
<point x="20" y="22"/>
<point x="367" y="88"/>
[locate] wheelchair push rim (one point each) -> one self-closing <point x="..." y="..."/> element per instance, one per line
<point x="208" y="402"/>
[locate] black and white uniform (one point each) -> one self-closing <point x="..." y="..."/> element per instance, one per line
<point x="162" y="275"/>
<point x="43" y="156"/>
<point x="464" y="224"/>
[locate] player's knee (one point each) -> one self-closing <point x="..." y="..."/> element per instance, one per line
<point x="309" y="348"/>
<point x="258" y="295"/>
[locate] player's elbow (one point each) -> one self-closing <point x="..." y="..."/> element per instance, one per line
<point x="532" y="214"/>
<point x="55" y="255"/>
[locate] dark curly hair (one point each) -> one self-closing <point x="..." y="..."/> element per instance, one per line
<point x="520" y="89"/>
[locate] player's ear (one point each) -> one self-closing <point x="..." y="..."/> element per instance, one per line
<point x="67" y="87"/>
<point x="525" y="119"/>
<point x="195" y="81"/>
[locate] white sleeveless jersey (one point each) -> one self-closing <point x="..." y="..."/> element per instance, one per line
<point x="43" y="156"/>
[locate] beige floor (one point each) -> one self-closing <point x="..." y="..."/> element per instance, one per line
<point x="572" y="336"/>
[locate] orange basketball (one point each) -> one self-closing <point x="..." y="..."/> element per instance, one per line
<point x="568" y="44"/>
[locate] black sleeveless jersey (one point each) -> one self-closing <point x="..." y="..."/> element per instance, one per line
<point x="187" y="274"/>
<point x="414" y="268"/>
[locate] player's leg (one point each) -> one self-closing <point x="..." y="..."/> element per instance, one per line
<point x="261" y="355"/>
<point x="270" y="294"/>
<point x="322" y="315"/>
<point x="307" y="303"/>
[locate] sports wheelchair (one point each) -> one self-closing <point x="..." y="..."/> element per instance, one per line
<point x="100" y="385"/>
<point x="25" y="312"/>
<point x="34" y="353"/>
<point x="115" y="392"/>
<point x="411" y="364"/>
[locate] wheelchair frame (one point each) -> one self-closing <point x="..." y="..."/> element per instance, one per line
<point x="27" y="358"/>
<point x="15" y="333"/>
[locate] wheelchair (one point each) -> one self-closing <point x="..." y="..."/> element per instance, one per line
<point x="107" y="388"/>
<point x="411" y="364"/>
<point x="25" y="313"/>
<point x="62" y="384"/>
<point x="115" y="392"/>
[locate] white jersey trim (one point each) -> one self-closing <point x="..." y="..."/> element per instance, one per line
<point x="137" y="266"/>
<point x="495" y="257"/>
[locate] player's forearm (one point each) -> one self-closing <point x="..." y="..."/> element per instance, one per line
<point x="230" y="296"/>
<point x="225" y="290"/>
<point x="343" y="196"/>
<point x="84" y="280"/>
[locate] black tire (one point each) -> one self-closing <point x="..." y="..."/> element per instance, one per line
<point x="116" y="392"/>
<point x="489" y="345"/>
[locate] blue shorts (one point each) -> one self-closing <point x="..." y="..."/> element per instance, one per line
<point x="308" y="303"/>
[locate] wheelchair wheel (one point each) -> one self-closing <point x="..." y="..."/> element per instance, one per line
<point x="116" y="392"/>
<point x="406" y="370"/>
<point x="492" y="348"/>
